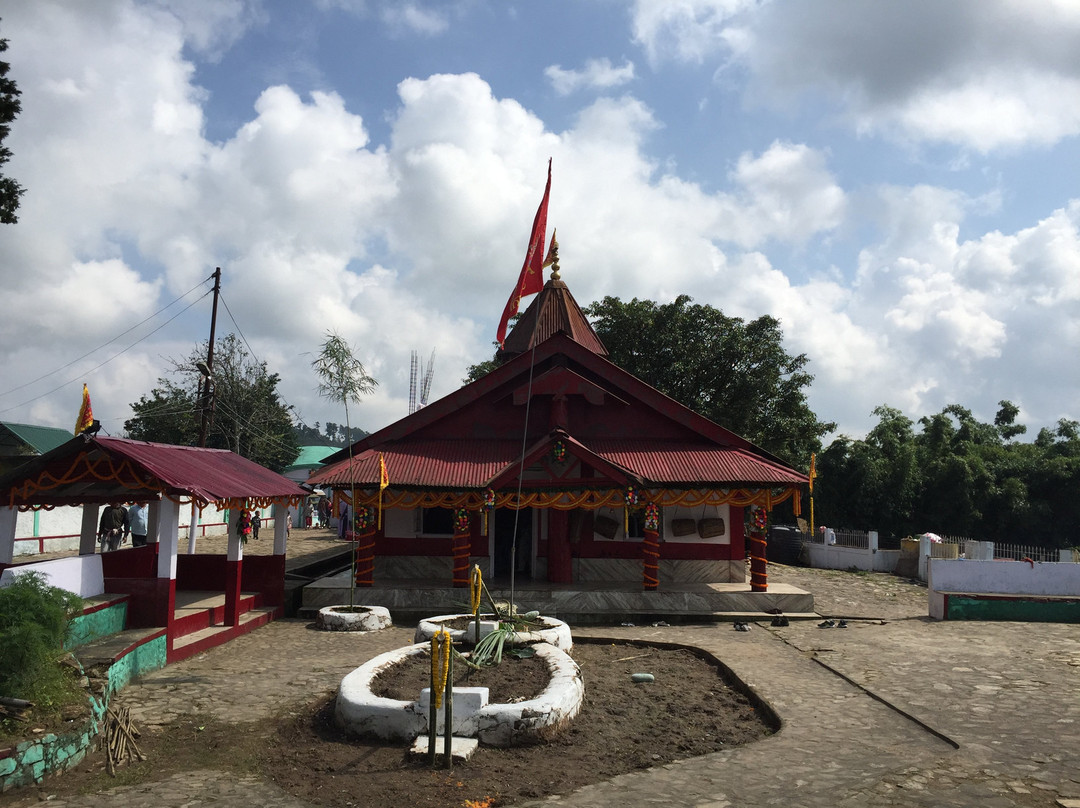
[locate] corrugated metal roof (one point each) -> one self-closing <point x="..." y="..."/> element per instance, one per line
<point x="461" y="464"/>
<point x="209" y="474"/>
<point x="117" y="468"/>
<point x="665" y="462"/>
<point x="40" y="438"/>
<point x="430" y="463"/>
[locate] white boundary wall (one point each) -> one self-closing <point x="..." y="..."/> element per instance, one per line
<point x="1016" y="578"/>
<point x="58" y="529"/>
<point x="831" y="556"/>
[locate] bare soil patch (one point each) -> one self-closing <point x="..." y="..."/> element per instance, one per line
<point x="518" y="679"/>
<point x="688" y="711"/>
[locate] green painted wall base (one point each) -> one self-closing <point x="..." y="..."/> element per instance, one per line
<point x="1027" y="610"/>
<point x="28" y="762"/>
<point x="85" y="628"/>
<point x="141" y="660"/>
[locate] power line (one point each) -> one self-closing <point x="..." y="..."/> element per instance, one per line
<point x="107" y="361"/>
<point x="110" y="342"/>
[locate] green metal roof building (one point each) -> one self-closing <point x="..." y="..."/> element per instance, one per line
<point x="21" y="442"/>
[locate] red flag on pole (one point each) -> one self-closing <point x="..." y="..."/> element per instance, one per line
<point x="531" y="280"/>
<point x="86" y="412"/>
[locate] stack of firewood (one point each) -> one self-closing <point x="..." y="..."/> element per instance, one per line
<point x="19" y="709"/>
<point x="118" y="739"/>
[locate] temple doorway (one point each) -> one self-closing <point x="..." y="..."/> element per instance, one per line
<point x="504" y="542"/>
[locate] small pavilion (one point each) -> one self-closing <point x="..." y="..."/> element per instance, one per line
<point x="197" y="600"/>
<point x="589" y="485"/>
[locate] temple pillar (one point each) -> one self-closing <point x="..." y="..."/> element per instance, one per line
<point x="234" y="561"/>
<point x="758" y="550"/>
<point x="88" y="529"/>
<point x="9" y="517"/>
<point x="280" y="513"/>
<point x="462" y="547"/>
<point x="164" y="596"/>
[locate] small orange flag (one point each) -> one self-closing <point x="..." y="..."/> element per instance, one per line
<point x="86" y="412"/>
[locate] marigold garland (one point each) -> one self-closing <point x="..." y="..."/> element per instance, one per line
<point x="571" y="500"/>
<point x="475" y="583"/>
<point x="440" y="665"/>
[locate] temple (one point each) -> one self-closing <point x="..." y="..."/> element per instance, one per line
<point x="566" y="471"/>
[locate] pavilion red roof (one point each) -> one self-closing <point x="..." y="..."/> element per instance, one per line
<point x="99" y="469"/>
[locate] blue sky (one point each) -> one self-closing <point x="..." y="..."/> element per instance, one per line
<point x="896" y="183"/>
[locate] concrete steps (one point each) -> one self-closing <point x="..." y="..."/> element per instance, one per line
<point x="198" y="641"/>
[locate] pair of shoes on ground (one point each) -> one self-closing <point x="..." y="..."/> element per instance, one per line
<point x="832" y="624"/>
<point x="741" y="627"/>
<point x="780" y="621"/>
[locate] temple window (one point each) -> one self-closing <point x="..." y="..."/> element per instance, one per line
<point x="434" y="522"/>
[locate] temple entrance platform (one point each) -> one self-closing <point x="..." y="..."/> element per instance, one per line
<point x="603" y="602"/>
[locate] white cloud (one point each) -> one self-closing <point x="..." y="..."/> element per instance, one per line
<point x="787" y="194"/>
<point x="415" y="242"/>
<point x="597" y="74"/>
<point x="212" y="26"/>
<point x="689" y="30"/>
<point x="416" y="18"/>
<point x="980" y="74"/>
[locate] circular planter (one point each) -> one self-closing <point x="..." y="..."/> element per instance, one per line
<point x="360" y="712"/>
<point x="552" y="631"/>
<point x="363" y="618"/>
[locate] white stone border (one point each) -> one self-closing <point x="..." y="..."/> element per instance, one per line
<point x="359" y="711"/>
<point x="554" y="632"/>
<point x="371" y="618"/>
<point x="529" y="721"/>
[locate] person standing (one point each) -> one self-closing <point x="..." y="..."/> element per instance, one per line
<point x="256" y="523"/>
<point x="137" y="524"/>
<point x="113" y="527"/>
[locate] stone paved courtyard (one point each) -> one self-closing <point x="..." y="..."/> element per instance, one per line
<point x="895" y="710"/>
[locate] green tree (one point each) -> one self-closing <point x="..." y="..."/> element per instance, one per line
<point x="957" y="476"/>
<point x="342" y="377"/>
<point x="10" y="107"/>
<point x="249" y="417"/>
<point x="733" y="372"/>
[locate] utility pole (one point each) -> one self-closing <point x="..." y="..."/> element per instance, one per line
<point x="206" y="390"/>
<point x="206" y="400"/>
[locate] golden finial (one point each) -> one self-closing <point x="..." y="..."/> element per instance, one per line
<point x="552" y="259"/>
